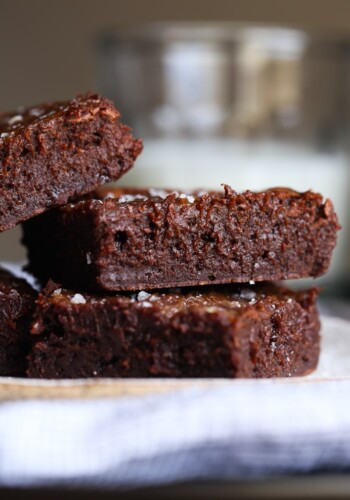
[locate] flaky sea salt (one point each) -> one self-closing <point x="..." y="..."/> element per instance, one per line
<point x="247" y="294"/>
<point x="48" y="114"/>
<point x="35" y="111"/>
<point x="88" y="258"/>
<point x="57" y="292"/>
<point x="153" y="298"/>
<point x="187" y="197"/>
<point x="78" y="299"/>
<point x="15" y="119"/>
<point x="130" y="197"/>
<point x="143" y="296"/>
<point x="145" y="303"/>
<point x="108" y="195"/>
<point x="158" y="193"/>
<point x="235" y="303"/>
<point x="212" y="309"/>
<point x="251" y="282"/>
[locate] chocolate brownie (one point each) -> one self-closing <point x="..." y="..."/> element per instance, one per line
<point x="129" y="240"/>
<point x="17" y="301"/>
<point x="223" y="331"/>
<point x="54" y="152"/>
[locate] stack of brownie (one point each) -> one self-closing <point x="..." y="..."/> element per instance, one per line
<point x="149" y="283"/>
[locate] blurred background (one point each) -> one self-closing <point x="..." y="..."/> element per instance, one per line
<point x="254" y="94"/>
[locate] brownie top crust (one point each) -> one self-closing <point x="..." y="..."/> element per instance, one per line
<point x="268" y="199"/>
<point x="231" y="297"/>
<point x="229" y="300"/>
<point x="82" y="108"/>
<point x="15" y="121"/>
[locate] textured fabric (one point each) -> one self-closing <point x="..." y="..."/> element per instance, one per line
<point x="237" y="431"/>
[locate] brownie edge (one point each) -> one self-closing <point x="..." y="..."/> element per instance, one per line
<point x="224" y="331"/>
<point x="17" y="302"/>
<point x="52" y="153"/>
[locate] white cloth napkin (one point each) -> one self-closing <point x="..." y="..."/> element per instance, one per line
<point x="229" y="432"/>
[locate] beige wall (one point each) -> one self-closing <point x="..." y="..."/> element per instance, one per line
<point x="46" y="46"/>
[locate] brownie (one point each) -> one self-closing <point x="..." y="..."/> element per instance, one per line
<point x="225" y="331"/>
<point x="17" y="301"/>
<point x="52" y="153"/>
<point x="134" y="240"/>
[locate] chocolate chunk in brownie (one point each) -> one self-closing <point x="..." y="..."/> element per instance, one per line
<point x="17" y="301"/>
<point x="223" y="331"/>
<point x="134" y="240"/>
<point x="54" y="152"/>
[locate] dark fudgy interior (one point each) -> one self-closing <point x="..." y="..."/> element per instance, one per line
<point x="226" y="331"/>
